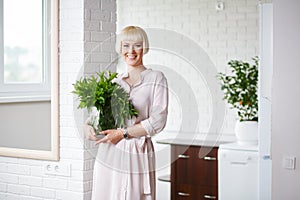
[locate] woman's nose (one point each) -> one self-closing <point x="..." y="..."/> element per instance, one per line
<point x="131" y="48"/>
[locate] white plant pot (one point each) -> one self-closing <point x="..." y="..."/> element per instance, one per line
<point x="246" y="132"/>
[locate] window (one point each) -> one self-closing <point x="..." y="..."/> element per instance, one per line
<point x="25" y="49"/>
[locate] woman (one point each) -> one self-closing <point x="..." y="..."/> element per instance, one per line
<point x="125" y="163"/>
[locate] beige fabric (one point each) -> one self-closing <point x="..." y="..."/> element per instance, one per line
<point x="126" y="171"/>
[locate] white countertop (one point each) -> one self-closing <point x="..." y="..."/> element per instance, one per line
<point x="191" y="142"/>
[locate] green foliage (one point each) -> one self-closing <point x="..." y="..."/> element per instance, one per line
<point x="110" y="99"/>
<point x="240" y="88"/>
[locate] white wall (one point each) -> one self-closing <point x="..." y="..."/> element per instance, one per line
<point x="285" y="95"/>
<point x="222" y="35"/>
<point x="82" y="23"/>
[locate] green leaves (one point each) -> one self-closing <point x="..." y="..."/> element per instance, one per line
<point x="85" y="89"/>
<point x="240" y="88"/>
<point x="108" y="97"/>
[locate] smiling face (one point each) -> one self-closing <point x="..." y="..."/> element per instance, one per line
<point x="132" y="53"/>
<point x="132" y="43"/>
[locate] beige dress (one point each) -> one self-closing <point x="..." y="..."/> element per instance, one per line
<point x="126" y="171"/>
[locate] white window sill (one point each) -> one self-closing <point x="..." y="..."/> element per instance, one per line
<point x="23" y="98"/>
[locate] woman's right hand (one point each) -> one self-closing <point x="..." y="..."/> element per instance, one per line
<point x="90" y="133"/>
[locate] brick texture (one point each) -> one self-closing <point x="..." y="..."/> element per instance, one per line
<point x="228" y="34"/>
<point x="86" y="27"/>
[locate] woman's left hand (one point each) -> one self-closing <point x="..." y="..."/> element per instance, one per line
<point x="112" y="136"/>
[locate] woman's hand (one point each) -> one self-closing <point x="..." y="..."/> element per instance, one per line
<point x="112" y="136"/>
<point x="90" y="133"/>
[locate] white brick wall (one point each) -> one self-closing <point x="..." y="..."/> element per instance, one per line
<point x="223" y="35"/>
<point x="99" y="33"/>
<point x="84" y="24"/>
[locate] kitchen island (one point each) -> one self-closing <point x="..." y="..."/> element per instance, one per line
<point x="194" y="168"/>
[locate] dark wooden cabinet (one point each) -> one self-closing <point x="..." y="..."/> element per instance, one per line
<point x="194" y="176"/>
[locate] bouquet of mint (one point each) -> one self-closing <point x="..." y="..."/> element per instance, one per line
<point x="107" y="102"/>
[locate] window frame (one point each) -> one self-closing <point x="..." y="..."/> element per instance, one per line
<point x="23" y="92"/>
<point x="54" y="153"/>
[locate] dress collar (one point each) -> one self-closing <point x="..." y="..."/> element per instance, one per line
<point x="142" y="74"/>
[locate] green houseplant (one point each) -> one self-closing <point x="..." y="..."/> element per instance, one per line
<point x="240" y="91"/>
<point x="101" y="95"/>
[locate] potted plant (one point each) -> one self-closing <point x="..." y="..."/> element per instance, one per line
<point x="240" y="90"/>
<point x="107" y="102"/>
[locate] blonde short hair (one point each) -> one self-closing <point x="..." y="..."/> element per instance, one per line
<point x="132" y="33"/>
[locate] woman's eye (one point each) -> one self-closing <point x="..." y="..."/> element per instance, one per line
<point x="125" y="45"/>
<point x="138" y="46"/>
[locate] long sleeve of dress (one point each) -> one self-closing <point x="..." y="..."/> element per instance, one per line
<point x="159" y="108"/>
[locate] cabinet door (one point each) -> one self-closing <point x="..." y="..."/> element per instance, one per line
<point x="190" y="192"/>
<point x="206" y="193"/>
<point x="206" y="167"/>
<point x="189" y="168"/>
<point x="184" y="192"/>
<point x="182" y="168"/>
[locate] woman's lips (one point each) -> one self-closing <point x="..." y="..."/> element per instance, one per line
<point x="131" y="56"/>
